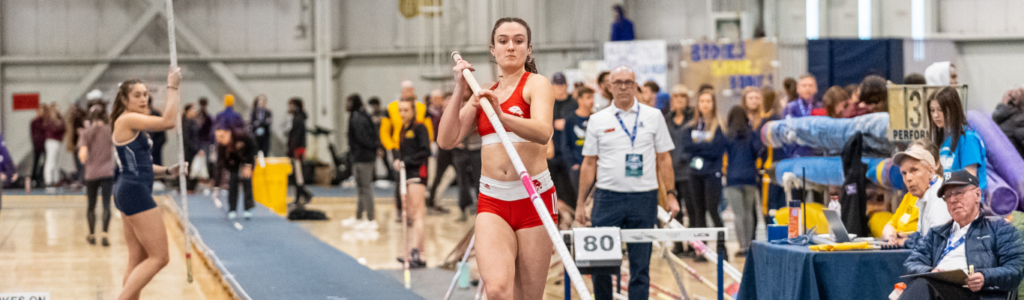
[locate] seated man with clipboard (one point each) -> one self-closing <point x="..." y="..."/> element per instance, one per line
<point x="988" y="252"/>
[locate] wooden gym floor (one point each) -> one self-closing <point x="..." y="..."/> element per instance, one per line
<point x="43" y="249"/>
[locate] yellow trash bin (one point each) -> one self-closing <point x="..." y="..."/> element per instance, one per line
<point x="270" y="183"/>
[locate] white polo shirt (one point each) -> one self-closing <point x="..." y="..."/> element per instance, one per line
<point x="607" y="139"/>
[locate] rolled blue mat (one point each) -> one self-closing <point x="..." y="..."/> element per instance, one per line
<point x="1003" y="157"/>
<point x="827" y="170"/>
<point x="1000" y="197"/>
<point x="829" y="135"/>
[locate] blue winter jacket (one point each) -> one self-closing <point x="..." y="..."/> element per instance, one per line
<point x="993" y="246"/>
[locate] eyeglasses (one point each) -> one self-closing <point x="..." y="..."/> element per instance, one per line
<point x="623" y="84"/>
<point x="957" y="194"/>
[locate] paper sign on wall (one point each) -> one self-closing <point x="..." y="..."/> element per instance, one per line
<point x="647" y="58"/>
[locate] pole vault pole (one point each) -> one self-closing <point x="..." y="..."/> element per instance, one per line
<point x="405" y="228"/>
<point x="181" y="145"/>
<point x="458" y="267"/>
<point x="538" y="204"/>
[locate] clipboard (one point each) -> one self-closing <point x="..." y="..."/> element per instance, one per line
<point x="957" y="276"/>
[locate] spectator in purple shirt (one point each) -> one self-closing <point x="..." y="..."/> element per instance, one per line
<point x="7" y="169"/>
<point x="806" y="88"/>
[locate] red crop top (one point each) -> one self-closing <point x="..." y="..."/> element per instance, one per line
<point x="514" y="105"/>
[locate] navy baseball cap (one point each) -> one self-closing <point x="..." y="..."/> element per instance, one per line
<point x="558" y="79"/>
<point x="958" y="179"/>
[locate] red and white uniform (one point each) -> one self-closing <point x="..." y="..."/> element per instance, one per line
<point x="509" y="199"/>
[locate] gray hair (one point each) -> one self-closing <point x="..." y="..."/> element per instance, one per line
<point x="622" y="68"/>
<point x="807" y="75"/>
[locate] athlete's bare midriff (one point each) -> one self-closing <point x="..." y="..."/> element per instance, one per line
<point x="495" y="163"/>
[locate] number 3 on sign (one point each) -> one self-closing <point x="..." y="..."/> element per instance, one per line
<point x="601" y="243"/>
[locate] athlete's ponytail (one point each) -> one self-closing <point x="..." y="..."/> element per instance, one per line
<point x="531" y="64"/>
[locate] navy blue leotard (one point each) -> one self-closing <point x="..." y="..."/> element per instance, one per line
<point x="133" y="190"/>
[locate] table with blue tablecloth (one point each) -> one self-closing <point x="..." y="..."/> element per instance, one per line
<point x="796" y="272"/>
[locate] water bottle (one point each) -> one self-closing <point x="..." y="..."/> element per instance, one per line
<point x="834" y="205"/>
<point x="794" y="218"/>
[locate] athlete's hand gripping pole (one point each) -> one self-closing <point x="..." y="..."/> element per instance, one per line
<point x="405" y="229"/>
<point x="182" y="189"/>
<point x="538" y="204"/>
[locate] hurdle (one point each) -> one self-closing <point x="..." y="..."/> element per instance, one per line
<point x="601" y="252"/>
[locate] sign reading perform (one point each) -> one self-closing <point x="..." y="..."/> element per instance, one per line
<point x="909" y="119"/>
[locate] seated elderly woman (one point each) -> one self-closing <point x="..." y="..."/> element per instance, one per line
<point x="991" y="248"/>
<point x="921" y="208"/>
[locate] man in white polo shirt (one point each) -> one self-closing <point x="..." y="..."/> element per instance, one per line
<point x="627" y="147"/>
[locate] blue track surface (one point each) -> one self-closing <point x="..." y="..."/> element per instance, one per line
<point x="272" y="258"/>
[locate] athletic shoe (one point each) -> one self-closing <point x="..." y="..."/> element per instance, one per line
<point x="91" y="239"/>
<point x="436" y="211"/>
<point x="351" y="221"/>
<point x="415" y="262"/>
<point x="366" y="224"/>
<point x="247" y="215"/>
<point x="232" y="215"/>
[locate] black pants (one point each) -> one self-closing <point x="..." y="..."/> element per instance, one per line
<point x="707" y="195"/>
<point x="263" y="143"/>
<point x="467" y="171"/>
<point x="925" y="288"/>
<point x="444" y="160"/>
<point x="685" y="197"/>
<point x="79" y="169"/>
<point x="627" y="210"/>
<point x="37" y="168"/>
<point x="302" y="195"/>
<point x="233" y="181"/>
<point x="563" y="181"/>
<point x="190" y="154"/>
<point x="91" y="191"/>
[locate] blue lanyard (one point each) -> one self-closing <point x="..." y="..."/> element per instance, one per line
<point x="632" y="136"/>
<point x="950" y="247"/>
<point x="805" y="109"/>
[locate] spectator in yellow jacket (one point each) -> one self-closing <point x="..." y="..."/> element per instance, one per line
<point x="391" y="124"/>
<point x="391" y="128"/>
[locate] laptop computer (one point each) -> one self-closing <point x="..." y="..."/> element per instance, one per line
<point x="835" y="224"/>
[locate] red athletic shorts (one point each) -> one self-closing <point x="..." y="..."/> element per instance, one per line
<point x="509" y="200"/>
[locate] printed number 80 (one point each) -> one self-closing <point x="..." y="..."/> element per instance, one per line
<point x="590" y="243"/>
